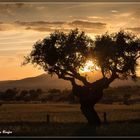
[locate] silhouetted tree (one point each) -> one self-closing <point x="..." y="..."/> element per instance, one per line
<point x="9" y="94"/>
<point x="34" y="94"/>
<point x="23" y="95"/>
<point x="39" y="91"/>
<point x="53" y="95"/>
<point x="64" y="54"/>
<point x="54" y="91"/>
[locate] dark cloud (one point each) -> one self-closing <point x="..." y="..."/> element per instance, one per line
<point x="86" y="24"/>
<point x="44" y="29"/>
<point x="10" y="12"/>
<point x="10" y="7"/>
<point x="38" y="25"/>
<point x="19" y="5"/>
<point x="40" y="29"/>
<point x="46" y="26"/>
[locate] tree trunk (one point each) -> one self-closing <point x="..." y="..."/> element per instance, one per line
<point x="88" y="101"/>
<point x="90" y="114"/>
<point x="91" y="94"/>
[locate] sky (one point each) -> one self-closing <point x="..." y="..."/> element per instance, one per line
<point x="22" y="24"/>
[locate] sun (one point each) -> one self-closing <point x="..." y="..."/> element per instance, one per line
<point x="89" y="66"/>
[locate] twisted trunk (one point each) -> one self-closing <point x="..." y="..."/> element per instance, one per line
<point x="88" y="101"/>
<point x="89" y="96"/>
<point x="90" y="114"/>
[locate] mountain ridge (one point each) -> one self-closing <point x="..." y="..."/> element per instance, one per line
<point x="46" y="81"/>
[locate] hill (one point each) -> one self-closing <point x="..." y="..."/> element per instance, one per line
<point x="45" y="81"/>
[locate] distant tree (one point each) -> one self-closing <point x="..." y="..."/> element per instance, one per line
<point x="64" y="54"/>
<point x="1" y="95"/>
<point x="39" y="91"/>
<point x="34" y="94"/>
<point x="72" y="99"/>
<point x="54" y="95"/>
<point x="54" y="91"/>
<point x="9" y="94"/>
<point x="23" y="95"/>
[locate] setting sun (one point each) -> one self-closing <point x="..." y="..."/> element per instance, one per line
<point x="89" y="67"/>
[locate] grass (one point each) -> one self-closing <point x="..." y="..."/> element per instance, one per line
<point x="72" y="129"/>
<point x="67" y="120"/>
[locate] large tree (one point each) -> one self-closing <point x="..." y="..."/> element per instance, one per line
<point x="63" y="54"/>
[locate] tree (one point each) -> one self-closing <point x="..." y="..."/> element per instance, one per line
<point x="54" y="95"/>
<point x="9" y="94"/>
<point x="39" y="91"/>
<point x="64" y="54"/>
<point x="23" y="95"/>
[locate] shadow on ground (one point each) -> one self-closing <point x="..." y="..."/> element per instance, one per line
<point x="85" y="130"/>
<point x="123" y="128"/>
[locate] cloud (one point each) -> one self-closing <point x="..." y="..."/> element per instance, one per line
<point x="94" y="17"/>
<point x="39" y="23"/>
<point x="6" y="26"/>
<point x="41" y="8"/>
<point x="17" y="11"/>
<point x="40" y="29"/>
<point x="46" y="26"/>
<point x="87" y="24"/>
<point x="114" y="11"/>
<point x="61" y="25"/>
<point x="10" y="8"/>
<point x="134" y="29"/>
<point x="123" y="14"/>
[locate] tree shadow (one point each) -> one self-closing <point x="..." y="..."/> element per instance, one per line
<point x="86" y="130"/>
<point x="107" y="128"/>
<point x="116" y="128"/>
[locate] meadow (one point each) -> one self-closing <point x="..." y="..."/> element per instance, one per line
<point x="65" y="119"/>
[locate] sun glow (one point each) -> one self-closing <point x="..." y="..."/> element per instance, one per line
<point x="89" y="66"/>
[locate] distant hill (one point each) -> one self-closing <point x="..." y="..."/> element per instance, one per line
<point x="45" y="81"/>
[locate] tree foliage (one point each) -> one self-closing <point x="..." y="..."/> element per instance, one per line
<point x="64" y="54"/>
<point x="117" y="54"/>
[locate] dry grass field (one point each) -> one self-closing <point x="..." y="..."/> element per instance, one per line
<point x="67" y="120"/>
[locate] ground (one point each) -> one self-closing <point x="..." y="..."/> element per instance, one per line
<point x="67" y="120"/>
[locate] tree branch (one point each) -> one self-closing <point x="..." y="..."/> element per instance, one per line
<point x="104" y="82"/>
<point x="62" y="75"/>
<point x="79" y="77"/>
<point x="137" y="57"/>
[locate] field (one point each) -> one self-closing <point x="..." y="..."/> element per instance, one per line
<point x="67" y="120"/>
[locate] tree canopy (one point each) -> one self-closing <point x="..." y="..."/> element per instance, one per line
<point x="117" y="54"/>
<point x="64" y="54"/>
